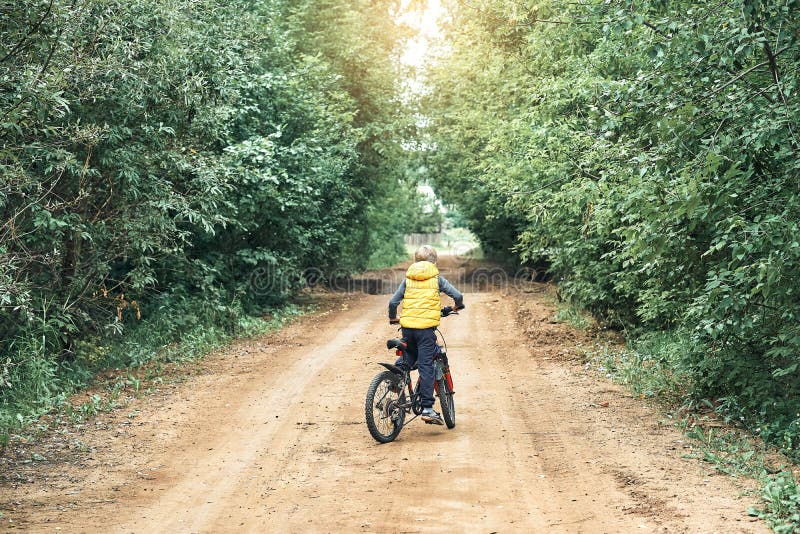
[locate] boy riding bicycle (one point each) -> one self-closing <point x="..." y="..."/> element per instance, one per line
<point x="419" y="294"/>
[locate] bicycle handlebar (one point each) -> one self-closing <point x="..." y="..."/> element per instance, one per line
<point x="447" y="310"/>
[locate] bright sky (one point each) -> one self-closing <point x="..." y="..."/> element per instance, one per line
<point x="423" y="16"/>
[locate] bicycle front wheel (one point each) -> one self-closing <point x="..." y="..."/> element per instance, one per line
<point x="383" y="409"/>
<point x="446" y="402"/>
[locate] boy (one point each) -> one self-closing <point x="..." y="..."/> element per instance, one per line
<point x="420" y="316"/>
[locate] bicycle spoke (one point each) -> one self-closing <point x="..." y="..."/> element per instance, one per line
<point x="385" y="421"/>
<point x="385" y="407"/>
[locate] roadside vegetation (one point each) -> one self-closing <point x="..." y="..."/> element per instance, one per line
<point x="648" y="152"/>
<point x="169" y="169"/>
<point x="651" y="367"/>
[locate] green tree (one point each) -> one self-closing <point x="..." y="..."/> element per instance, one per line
<point x="648" y="152"/>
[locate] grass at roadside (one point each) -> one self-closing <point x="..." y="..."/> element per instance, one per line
<point x="653" y="366"/>
<point x="572" y="316"/>
<point x="735" y="453"/>
<point x="781" y="509"/>
<point x="123" y="363"/>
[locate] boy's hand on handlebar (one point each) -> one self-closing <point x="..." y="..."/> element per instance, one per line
<point x="394" y="321"/>
<point x="448" y="310"/>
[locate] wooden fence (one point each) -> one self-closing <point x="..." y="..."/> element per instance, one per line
<point x="422" y="239"/>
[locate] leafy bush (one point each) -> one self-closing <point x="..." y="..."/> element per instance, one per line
<point x="781" y="504"/>
<point x="648" y="153"/>
<point x="180" y="164"/>
<point x="655" y="365"/>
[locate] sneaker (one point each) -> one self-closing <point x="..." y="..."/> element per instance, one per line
<point x="430" y="416"/>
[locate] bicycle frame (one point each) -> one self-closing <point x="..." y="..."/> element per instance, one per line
<point x="441" y="368"/>
<point x="392" y="395"/>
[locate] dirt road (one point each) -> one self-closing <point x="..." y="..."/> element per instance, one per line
<point x="269" y="437"/>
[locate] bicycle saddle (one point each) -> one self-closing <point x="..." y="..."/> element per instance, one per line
<point x="399" y="344"/>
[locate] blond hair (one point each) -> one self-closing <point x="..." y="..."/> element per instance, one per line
<point x="426" y="253"/>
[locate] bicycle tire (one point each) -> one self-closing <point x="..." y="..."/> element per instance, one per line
<point x="386" y="405"/>
<point x="446" y="402"/>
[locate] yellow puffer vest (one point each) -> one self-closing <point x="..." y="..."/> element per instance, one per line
<point x="421" y="303"/>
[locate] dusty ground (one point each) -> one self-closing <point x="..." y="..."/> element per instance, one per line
<point x="268" y="436"/>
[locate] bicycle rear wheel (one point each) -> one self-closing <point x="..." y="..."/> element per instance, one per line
<point x="383" y="408"/>
<point x="446" y="402"/>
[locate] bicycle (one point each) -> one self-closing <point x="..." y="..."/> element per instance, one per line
<point x="392" y="395"/>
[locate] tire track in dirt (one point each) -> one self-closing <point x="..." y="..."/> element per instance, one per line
<point x="209" y="480"/>
<point x="272" y="438"/>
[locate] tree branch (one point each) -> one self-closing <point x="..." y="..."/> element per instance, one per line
<point x="748" y="71"/>
<point x="34" y="29"/>
<point x="773" y="67"/>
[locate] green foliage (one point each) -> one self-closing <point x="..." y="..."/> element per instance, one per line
<point x="781" y="496"/>
<point x="655" y="365"/>
<point x="649" y="154"/>
<point x="730" y="452"/>
<point x="572" y="316"/>
<point x="734" y="454"/>
<point x="169" y="167"/>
